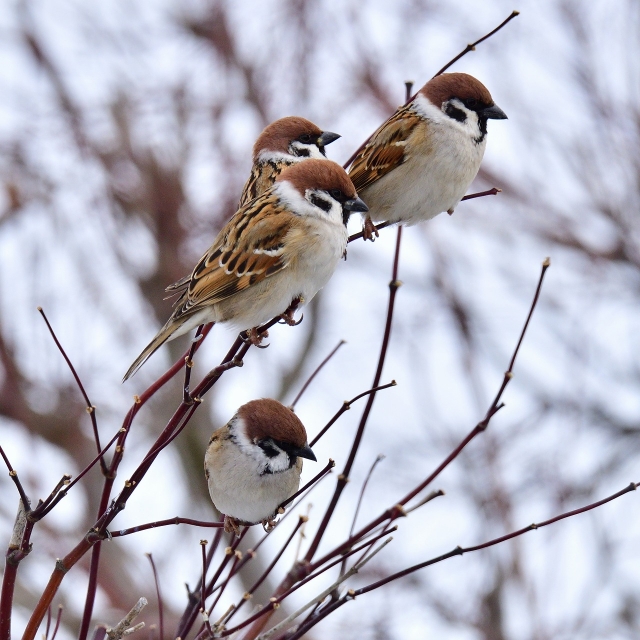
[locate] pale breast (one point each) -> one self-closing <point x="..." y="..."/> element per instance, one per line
<point x="435" y="176"/>
<point x="238" y="490"/>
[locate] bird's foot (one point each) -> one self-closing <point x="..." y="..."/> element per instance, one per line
<point x="369" y="230"/>
<point x="269" y="524"/>
<point x="450" y="211"/>
<point x="255" y="338"/>
<point x="287" y="318"/>
<point x="231" y="525"/>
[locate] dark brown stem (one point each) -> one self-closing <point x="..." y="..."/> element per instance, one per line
<point x="346" y="405"/>
<point x="268" y="570"/>
<point x="160" y="605"/>
<point x="188" y="365"/>
<point x="472" y="46"/>
<point x="458" y="551"/>
<point x="191" y="609"/>
<point x="394" y="285"/>
<point x="189" y="617"/>
<point x="91" y="410"/>
<point x="106" y="515"/>
<point x="377" y="461"/>
<point x="13" y="474"/>
<point x="495" y="405"/>
<point x="383" y="225"/>
<point x="53" y="498"/>
<point x="58" y="618"/>
<point x="164" y="523"/>
<point x="203" y="583"/>
<point x="494" y="191"/>
<point x="316" y="372"/>
<point x="360" y="234"/>
<point x="330" y="465"/>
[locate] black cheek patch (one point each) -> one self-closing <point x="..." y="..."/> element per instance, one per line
<point x="455" y="113"/>
<point x="321" y="203"/>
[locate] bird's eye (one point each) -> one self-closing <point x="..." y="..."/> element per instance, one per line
<point x="305" y="138"/>
<point x="471" y="103"/>
<point x="336" y="194"/>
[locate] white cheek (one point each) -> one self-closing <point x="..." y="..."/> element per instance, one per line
<point x="302" y="207"/>
<point x="435" y="114"/>
<point x="279" y="463"/>
<point x="311" y="149"/>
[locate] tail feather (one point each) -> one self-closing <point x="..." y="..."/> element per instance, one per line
<point x="161" y="337"/>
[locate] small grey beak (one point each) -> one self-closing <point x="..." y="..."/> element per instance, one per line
<point x="355" y="204"/>
<point x="493" y="113"/>
<point x="326" y="138"/>
<point x="305" y="452"/>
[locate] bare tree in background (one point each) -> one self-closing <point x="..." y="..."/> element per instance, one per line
<point x="127" y="143"/>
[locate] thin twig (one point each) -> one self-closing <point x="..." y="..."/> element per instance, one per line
<point x="383" y="225"/>
<point x="57" y="626"/>
<point x="343" y="478"/>
<point x="91" y="410"/>
<point x="346" y="405"/>
<point x="458" y="551"/>
<point x="188" y="365"/>
<point x="265" y="574"/>
<point x="494" y="191"/>
<point x="316" y="372"/>
<point x="472" y="47"/>
<point x="356" y="567"/>
<point x="160" y="605"/>
<point x="13" y="474"/>
<point x="203" y="584"/>
<point x="330" y="465"/>
<point x="378" y="459"/>
<point x="397" y="510"/>
<point x="164" y="523"/>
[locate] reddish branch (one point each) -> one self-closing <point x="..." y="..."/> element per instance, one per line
<point x="322" y="612"/>
<point x="91" y="410"/>
<point x="316" y="372"/>
<point x="346" y="405"/>
<point x="472" y="46"/>
<point x="108" y="513"/>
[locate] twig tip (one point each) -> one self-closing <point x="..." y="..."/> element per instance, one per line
<point x="546" y="262"/>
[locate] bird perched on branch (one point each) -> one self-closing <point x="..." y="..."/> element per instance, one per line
<point x="422" y="160"/>
<point x="253" y="463"/>
<point x="280" y="247"/>
<point x="281" y="144"/>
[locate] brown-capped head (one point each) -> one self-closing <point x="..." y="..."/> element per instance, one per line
<point x="268" y="419"/>
<point x="328" y="176"/>
<point x="280" y="135"/>
<point x="470" y="91"/>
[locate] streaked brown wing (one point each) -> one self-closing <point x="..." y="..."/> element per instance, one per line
<point x="250" y="248"/>
<point x="179" y="286"/>
<point x="263" y="175"/>
<point x="385" y="150"/>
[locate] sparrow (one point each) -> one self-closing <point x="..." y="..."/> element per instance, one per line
<point x="282" y="246"/>
<point x="283" y="143"/>
<point x="253" y="463"/>
<point x="422" y="160"/>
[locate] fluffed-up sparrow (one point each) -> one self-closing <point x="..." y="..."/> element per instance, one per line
<point x="281" y="144"/>
<point x="280" y="247"/>
<point x="422" y="160"/>
<point x="253" y="463"/>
